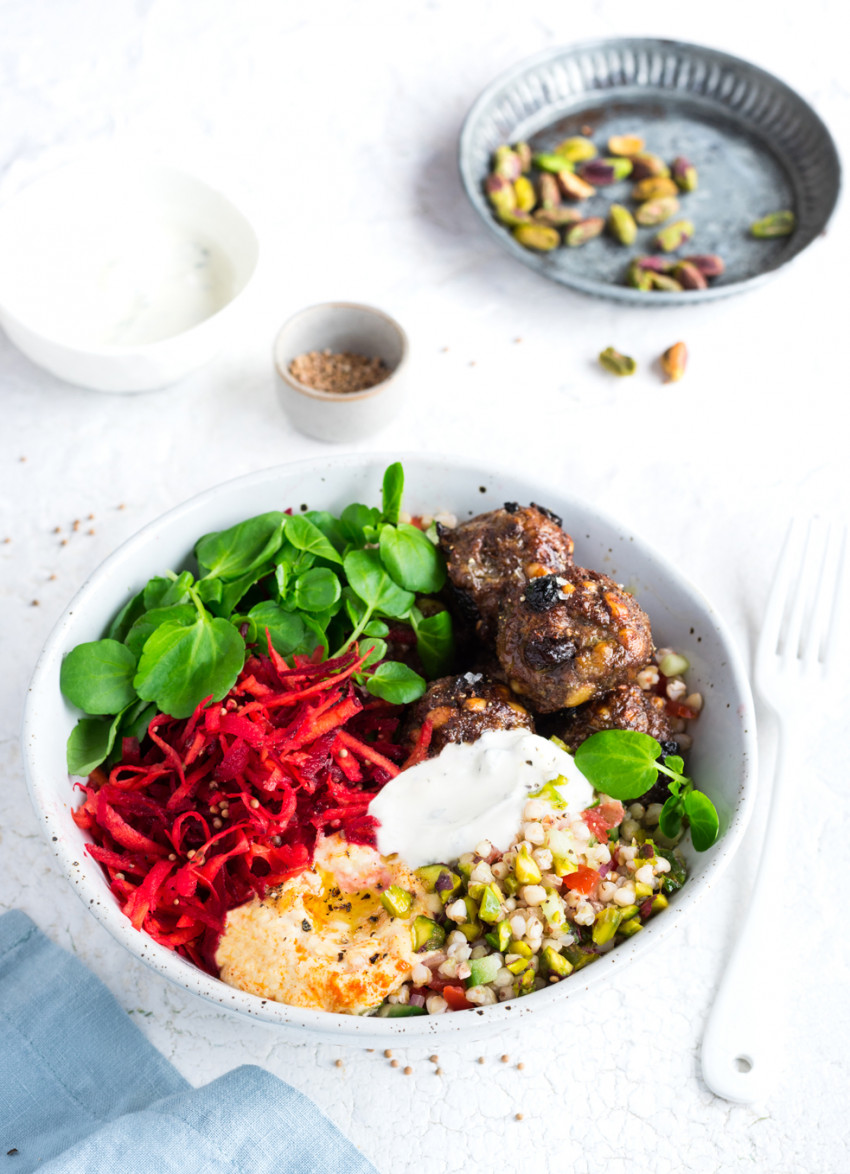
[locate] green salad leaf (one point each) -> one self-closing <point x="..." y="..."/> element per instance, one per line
<point x="98" y="676"/>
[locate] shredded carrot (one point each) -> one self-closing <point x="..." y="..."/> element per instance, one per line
<point x="223" y="805"/>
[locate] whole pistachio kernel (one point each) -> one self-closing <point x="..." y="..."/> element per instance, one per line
<point x="526" y="196"/>
<point x="656" y="211"/>
<point x="674" y="235"/>
<point x="625" y="145"/>
<point x="574" y="187"/>
<point x="523" y="153"/>
<point x="709" y="264"/>
<point x="500" y="193"/>
<point x="638" y="278"/>
<point x="577" y="149"/>
<point x="689" y="277"/>
<point x="646" y="166"/>
<point x="685" y="174"/>
<point x="548" y="190"/>
<point x="617" y="363"/>
<point x="664" y="283"/>
<point x="584" y="231"/>
<point x="774" y="224"/>
<point x="653" y="188"/>
<point x="558" y="217"/>
<point x="553" y="162"/>
<point x="537" y="236"/>
<point x="506" y="163"/>
<point x="674" y="361"/>
<point x="621" y="224"/>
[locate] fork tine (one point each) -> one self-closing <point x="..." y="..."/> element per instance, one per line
<point x="789" y="557"/>
<point x="833" y="590"/>
<point x="801" y="598"/>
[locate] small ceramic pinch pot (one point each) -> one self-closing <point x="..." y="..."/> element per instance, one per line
<point x="340" y="416"/>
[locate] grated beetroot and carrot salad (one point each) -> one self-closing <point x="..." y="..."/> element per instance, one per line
<point x="227" y="803"/>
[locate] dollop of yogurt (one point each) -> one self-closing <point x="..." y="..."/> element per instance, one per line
<point x="471" y="791"/>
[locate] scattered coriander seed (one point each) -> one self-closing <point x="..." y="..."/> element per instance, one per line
<point x="518" y="1117"/>
<point x="438" y="1072"/>
<point x="172" y="855"/>
<point x="338" y="1063"/>
<point x="505" y="1059"/>
<point x="408" y="1071"/>
<point x="57" y="529"/>
<point x="90" y="530"/>
<point x="34" y="603"/>
<point x="393" y="1063"/>
<point x="434" y="1059"/>
<point x="388" y="1053"/>
<point x="480" y="1059"/>
<point x="520" y="1066"/>
<point x="255" y="803"/>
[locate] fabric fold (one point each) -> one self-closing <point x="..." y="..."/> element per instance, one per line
<point x="83" y="1092"/>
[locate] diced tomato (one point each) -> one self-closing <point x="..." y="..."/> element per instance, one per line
<point x="600" y="819"/>
<point x="582" y="881"/>
<point x="677" y="709"/>
<point x="456" y="998"/>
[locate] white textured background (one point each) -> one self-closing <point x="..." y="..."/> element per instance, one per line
<point x="335" y="125"/>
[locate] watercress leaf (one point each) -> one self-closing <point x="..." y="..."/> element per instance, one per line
<point x="330" y="527"/>
<point x="316" y="590"/>
<point x="182" y="613"/>
<point x="413" y="561"/>
<point x="354" y="518"/>
<point x="353" y="605"/>
<point x="227" y="554"/>
<point x="372" y="534"/>
<point x="316" y="634"/>
<point x="234" y="592"/>
<point x="701" y="813"/>
<point x="182" y="664"/>
<point x="210" y="591"/>
<point x="305" y="535"/>
<point x="291" y="633"/>
<point x="126" y="617"/>
<point x="376" y="628"/>
<point x="391" y="493"/>
<point x="435" y="643"/>
<point x="89" y="743"/>
<point x="98" y="677"/>
<point x="165" y="591"/>
<point x="377" y="650"/>
<point x="619" y="762"/>
<point x="134" y="721"/>
<point x="369" y="579"/>
<point x="675" y="763"/>
<point x="670" y="819"/>
<point x="395" y="682"/>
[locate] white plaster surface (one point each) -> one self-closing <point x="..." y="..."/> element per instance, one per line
<point x="335" y="125"/>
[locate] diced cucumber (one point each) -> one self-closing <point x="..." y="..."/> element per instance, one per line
<point x="483" y="970"/>
<point x="398" y="1011"/>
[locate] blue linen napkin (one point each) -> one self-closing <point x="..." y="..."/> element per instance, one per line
<point x="83" y="1092"/>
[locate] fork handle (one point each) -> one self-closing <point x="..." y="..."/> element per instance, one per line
<point x="744" y="1037"/>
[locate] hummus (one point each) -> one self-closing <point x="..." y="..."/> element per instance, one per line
<point x="323" y="939"/>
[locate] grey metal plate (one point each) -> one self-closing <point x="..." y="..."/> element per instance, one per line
<point x="757" y="145"/>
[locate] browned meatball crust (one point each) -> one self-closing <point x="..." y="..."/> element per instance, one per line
<point x="570" y="638"/>
<point x="462" y="708"/>
<point x="493" y="554"/>
<point x="628" y="707"/>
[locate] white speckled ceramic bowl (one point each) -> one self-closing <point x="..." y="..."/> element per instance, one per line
<point x="723" y="758"/>
<point x="341" y="417"/>
<point x="50" y="236"/>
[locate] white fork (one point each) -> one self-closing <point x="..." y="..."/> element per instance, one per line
<point x="795" y="658"/>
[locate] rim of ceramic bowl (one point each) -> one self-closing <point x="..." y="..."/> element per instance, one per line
<point x="90" y="884"/>
<point x="160" y="345"/>
<point x="472" y="180"/>
<point x="340" y="396"/>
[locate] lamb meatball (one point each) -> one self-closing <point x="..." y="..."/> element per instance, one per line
<point x="493" y="554"/>
<point x="628" y="707"/>
<point x="462" y="708"/>
<point x="570" y="638"/>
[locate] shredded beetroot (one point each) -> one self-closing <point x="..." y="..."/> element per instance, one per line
<point x="227" y="803"/>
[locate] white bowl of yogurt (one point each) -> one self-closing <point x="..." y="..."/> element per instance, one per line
<point x="722" y="759"/>
<point x="119" y="275"/>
